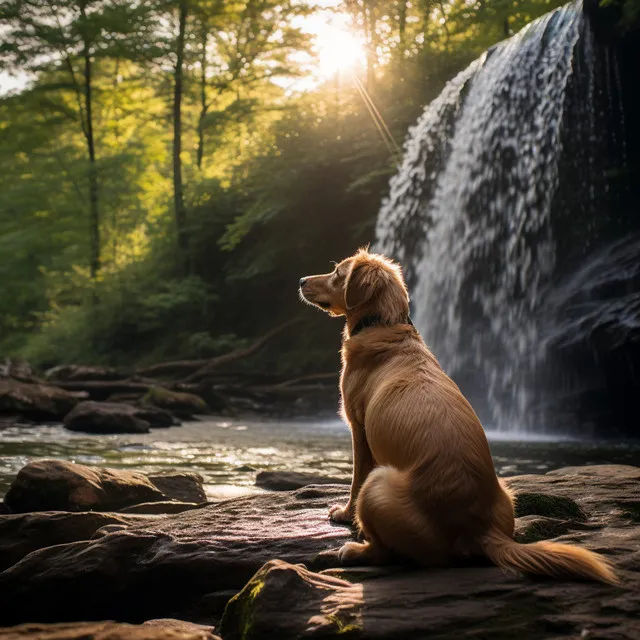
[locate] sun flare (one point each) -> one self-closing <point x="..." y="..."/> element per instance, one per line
<point x="339" y="50"/>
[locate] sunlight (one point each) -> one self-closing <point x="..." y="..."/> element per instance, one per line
<point x="339" y="50"/>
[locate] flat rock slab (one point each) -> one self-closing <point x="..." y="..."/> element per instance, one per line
<point x="153" y="630"/>
<point x="163" y="507"/>
<point x="189" y="565"/>
<point x="22" y="533"/>
<point x="167" y="565"/>
<point x="290" y="480"/>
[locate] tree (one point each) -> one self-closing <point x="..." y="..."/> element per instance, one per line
<point x="178" y="195"/>
<point x="244" y="45"/>
<point x="60" y="40"/>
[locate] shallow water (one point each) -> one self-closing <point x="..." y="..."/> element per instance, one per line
<point x="228" y="453"/>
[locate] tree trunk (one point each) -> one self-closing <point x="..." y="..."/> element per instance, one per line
<point x="444" y="22"/>
<point x="402" y="24"/>
<point x="203" y="101"/>
<point x="371" y="53"/>
<point x="94" y="214"/>
<point x="178" y="196"/>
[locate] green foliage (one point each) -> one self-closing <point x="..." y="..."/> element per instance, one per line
<point x="277" y="181"/>
<point x="124" y="322"/>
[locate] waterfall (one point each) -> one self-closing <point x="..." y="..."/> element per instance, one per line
<point x="470" y="213"/>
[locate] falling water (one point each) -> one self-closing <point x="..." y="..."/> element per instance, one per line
<point x="469" y="212"/>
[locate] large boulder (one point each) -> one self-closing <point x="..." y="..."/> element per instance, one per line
<point x="152" y="630"/>
<point x="130" y="572"/>
<point x="58" y="485"/>
<point x="185" y="405"/>
<point x="116" y="417"/>
<point x="34" y="400"/>
<point x="80" y="372"/>
<point x="289" y="480"/>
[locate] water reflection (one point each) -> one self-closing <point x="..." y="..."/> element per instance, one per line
<point x="229" y="453"/>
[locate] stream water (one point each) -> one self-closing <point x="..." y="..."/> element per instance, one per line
<point x="229" y="453"/>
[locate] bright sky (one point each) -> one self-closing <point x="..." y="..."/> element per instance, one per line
<point x="338" y="48"/>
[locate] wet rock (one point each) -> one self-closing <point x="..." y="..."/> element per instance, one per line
<point x="259" y="611"/>
<point x="157" y="418"/>
<point x="114" y="417"/>
<point x="20" y="534"/>
<point x="34" y="401"/>
<point x="79" y="372"/>
<point x="288" y="480"/>
<point x="211" y="553"/>
<point x="470" y="602"/>
<point x="180" y="485"/>
<point x="17" y="368"/>
<point x="176" y="561"/>
<point x="181" y="404"/>
<point x="9" y="421"/>
<point x="57" y="485"/>
<point x="181" y="625"/>
<point x="161" y="507"/>
<point x="108" y="631"/>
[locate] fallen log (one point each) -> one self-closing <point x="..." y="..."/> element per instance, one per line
<point x="312" y="377"/>
<point x="202" y="366"/>
<point x="232" y="356"/>
<point x="101" y="390"/>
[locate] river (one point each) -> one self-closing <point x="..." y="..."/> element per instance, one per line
<point x="229" y="452"/>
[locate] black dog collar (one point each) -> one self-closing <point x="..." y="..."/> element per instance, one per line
<point x="373" y="321"/>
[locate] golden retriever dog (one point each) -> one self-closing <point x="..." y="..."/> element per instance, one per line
<point x="424" y="485"/>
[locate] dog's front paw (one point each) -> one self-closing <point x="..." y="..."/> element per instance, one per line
<point x="342" y="515"/>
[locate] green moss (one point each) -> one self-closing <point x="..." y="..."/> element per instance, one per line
<point x="631" y="510"/>
<point x="542" y="528"/>
<point x="238" y="614"/>
<point x="348" y="630"/>
<point x="541" y="504"/>
<point x="165" y="399"/>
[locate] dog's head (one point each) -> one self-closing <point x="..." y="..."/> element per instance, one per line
<point x="366" y="283"/>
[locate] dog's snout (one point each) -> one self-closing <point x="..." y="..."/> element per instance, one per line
<point x="302" y="281"/>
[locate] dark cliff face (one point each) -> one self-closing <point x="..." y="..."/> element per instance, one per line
<point x="592" y="374"/>
<point x="537" y="315"/>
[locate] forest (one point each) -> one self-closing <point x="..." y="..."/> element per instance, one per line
<point x="170" y="168"/>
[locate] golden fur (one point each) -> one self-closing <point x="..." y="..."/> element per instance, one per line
<point x="424" y="485"/>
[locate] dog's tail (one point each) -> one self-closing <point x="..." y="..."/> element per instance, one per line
<point x="547" y="558"/>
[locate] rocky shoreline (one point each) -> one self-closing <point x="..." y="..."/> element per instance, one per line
<point x="102" y="400"/>
<point x="87" y="544"/>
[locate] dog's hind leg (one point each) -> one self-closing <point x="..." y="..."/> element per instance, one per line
<point x="391" y="522"/>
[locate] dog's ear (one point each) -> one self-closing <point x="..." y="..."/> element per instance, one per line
<point x="360" y="285"/>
